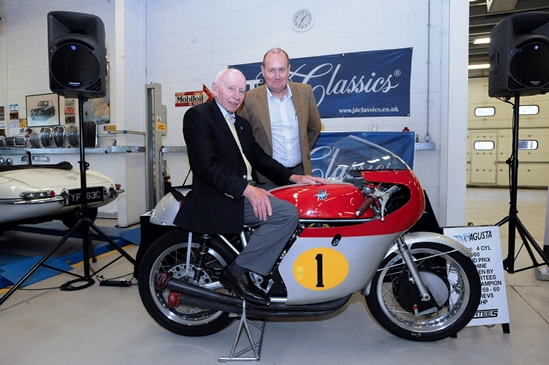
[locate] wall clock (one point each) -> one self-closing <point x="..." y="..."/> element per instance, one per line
<point x="303" y="20"/>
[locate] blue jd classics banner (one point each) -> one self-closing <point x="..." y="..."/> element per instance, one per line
<point x="361" y="84"/>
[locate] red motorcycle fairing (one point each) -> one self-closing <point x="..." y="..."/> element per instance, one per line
<point x="337" y="201"/>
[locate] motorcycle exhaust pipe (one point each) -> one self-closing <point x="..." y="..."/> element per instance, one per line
<point x="197" y="296"/>
<point x="191" y="295"/>
<point x="192" y="301"/>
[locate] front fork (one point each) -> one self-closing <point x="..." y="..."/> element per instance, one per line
<point x="412" y="268"/>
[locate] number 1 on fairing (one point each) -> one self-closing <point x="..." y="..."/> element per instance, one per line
<point x="320" y="280"/>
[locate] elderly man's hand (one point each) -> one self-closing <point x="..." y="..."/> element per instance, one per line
<point x="259" y="199"/>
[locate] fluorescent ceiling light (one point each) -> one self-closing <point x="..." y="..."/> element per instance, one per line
<point x="481" y="66"/>
<point x="481" y="41"/>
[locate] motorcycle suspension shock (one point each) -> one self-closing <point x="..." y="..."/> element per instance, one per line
<point x="412" y="268"/>
<point x="203" y="251"/>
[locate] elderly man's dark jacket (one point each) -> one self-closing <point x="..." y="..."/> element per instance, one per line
<point x="215" y="203"/>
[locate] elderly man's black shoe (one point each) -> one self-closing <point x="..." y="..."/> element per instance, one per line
<point x="243" y="287"/>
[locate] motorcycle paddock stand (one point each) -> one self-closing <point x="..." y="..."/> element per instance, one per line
<point x="254" y="346"/>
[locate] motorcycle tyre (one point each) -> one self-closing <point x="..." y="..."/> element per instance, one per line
<point x="175" y="320"/>
<point x="379" y="310"/>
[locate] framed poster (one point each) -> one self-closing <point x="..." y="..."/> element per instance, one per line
<point x="70" y="111"/>
<point x="98" y="110"/>
<point x="42" y="110"/>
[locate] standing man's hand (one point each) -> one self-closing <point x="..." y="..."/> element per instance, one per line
<point x="307" y="179"/>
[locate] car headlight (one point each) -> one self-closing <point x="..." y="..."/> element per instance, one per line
<point x="6" y="161"/>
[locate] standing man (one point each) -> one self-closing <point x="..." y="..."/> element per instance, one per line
<point x="284" y="116"/>
<point x="224" y="158"/>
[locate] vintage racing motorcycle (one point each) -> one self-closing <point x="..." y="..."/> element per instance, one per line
<point x="352" y="237"/>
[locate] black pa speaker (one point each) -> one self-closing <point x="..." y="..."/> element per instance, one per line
<point x="77" y="55"/>
<point x="519" y="55"/>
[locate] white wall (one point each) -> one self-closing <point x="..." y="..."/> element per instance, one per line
<point x="188" y="42"/>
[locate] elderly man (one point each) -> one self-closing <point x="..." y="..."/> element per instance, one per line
<point x="225" y="159"/>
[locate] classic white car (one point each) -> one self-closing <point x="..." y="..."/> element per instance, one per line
<point x="31" y="193"/>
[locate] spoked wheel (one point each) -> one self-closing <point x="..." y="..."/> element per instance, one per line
<point x="452" y="280"/>
<point x="171" y="253"/>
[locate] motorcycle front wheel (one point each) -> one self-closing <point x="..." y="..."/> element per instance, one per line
<point x="171" y="253"/>
<point x="452" y="280"/>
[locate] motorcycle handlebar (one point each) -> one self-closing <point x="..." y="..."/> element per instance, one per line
<point x="364" y="206"/>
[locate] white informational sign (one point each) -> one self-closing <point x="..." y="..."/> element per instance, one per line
<point x="484" y="243"/>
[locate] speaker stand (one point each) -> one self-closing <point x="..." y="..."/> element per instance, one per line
<point x="84" y="223"/>
<point x="515" y="224"/>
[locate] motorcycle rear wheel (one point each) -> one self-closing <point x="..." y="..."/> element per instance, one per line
<point x="169" y="254"/>
<point x="460" y="279"/>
